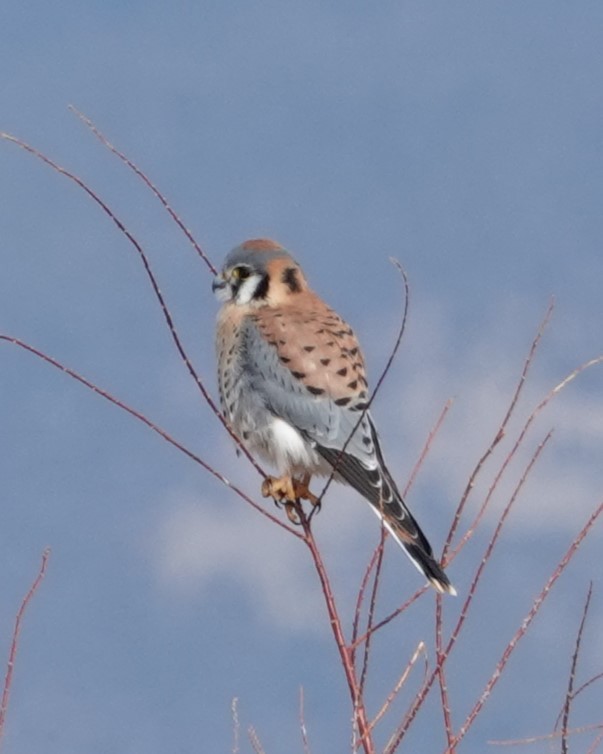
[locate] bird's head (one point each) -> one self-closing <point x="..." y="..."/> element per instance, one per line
<point x="259" y="273"/>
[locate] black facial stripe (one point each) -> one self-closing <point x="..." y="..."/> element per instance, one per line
<point x="262" y="288"/>
<point x="289" y="278"/>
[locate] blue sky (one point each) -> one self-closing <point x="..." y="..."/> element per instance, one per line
<point x="464" y="139"/>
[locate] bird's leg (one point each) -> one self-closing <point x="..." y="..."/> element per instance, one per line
<point x="288" y="491"/>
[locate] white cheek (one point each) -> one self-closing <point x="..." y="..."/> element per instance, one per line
<point x="247" y="289"/>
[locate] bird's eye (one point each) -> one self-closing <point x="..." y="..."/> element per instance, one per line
<point x="240" y="273"/>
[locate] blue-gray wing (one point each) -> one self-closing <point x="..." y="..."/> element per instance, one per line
<point x="297" y="380"/>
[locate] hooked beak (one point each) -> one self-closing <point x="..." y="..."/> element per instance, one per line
<point x="221" y="288"/>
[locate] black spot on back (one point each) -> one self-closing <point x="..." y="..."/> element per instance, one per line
<point x="315" y="390"/>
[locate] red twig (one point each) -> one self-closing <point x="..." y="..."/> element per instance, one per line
<point x="345" y="653"/>
<point x="151" y="425"/>
<point x="420" y="650"/>
<point x="445" y="653"/>
<point x="586" y="684"/>
<point x="152" y="280"/>
<point x="569" y="696"/>
<point x="501" y="430"/>
<point x="360" y="598"/>
<point x="538" y="602"/>
<point x="302" y="722"/>
<point x="441" y="673"/>
<point x="12" y="656"/>
<point x="236" y="726"/>
<point x="398" y="734"/>
<point x="520" y="438"/>
<point x="394" y="614"/>
<point x="545" y="736"/>
<point x="427" y="447"/>
<point x="371" y="611"/>
<point x="491" y="545"/>
<point x="255" y="741"/>
<point x="595" y="744"/>
<point x="439" y="603"/>
<point x="103" y="139"/>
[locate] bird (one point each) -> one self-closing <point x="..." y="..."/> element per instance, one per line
<point x="293" y="390"/>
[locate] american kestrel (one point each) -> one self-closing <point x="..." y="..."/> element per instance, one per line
<point x="293" y="388"/>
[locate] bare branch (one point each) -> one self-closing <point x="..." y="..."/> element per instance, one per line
<point x="236" y="727"/>
<point x="492" y="543"/>
<point x="427" y="447"/>
<point x="360" y="598"/>
<point x="12" y="656"/>
<point x="105" y="142"/>
<point x="396" y="738"/>
<point x="586" y="684"/>
<point x="345" y="653"/>
<point x="255" y="741"/>
<point x="371" y="611"/>
<point x="545" y="736"/>
<point x="520" y="438"/>
<point x="572" y="676"/>
<point x="501" y="430"/>
<point x="420" y="650"/>
<point x="152" y="280"/>
<point x="151" y="425"/>
<point x="595" y="744"/>
<point x="302" y="722"/>
<point x="394" y="614"/>
<point x="441" y="674"/>
<point x="538" y="602"/>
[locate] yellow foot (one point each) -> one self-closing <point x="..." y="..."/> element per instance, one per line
<point x="287" y="491"/>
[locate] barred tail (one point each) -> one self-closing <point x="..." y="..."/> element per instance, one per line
<point x="417" y="548"/>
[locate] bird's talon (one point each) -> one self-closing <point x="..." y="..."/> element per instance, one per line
<point x="288" y="492"/>
<point x="292" y="513"/>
